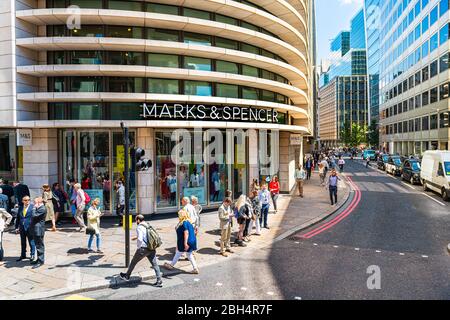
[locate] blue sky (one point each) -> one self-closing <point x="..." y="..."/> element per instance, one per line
<point x="332" y="17"/>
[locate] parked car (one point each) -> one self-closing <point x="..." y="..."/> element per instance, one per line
<point x="394" y="165"/>
<point x="435" y="172"/>
<point x="411" y="171"/>
<point x="382" y="160"/>
<point x="369" y="154"/>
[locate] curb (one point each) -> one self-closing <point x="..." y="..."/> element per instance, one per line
<point x="316" y="220"/>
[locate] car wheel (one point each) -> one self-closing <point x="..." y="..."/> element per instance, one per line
<point x="425" y="187"/>
<point x="445" y="195"/>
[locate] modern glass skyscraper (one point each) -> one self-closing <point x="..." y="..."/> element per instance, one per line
<point x="358" y="31"/>
<point x="372" y="10"/>
<point x="341" y="43"/>
<point x="414" y="78"/>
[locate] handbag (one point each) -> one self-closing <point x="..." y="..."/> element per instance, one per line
<point x="90" y="231"/>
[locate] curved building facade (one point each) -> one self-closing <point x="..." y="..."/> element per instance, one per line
<point x="182" y="75"/>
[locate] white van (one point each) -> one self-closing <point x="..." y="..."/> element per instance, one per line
<point x="435" y="172"/>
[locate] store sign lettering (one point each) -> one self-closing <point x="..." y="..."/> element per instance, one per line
<point x="201" y="112"/>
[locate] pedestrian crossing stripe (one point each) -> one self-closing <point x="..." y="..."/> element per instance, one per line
<point x="77" y="297"/>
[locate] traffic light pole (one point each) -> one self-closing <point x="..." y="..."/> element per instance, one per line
<point x="126" y="142"/>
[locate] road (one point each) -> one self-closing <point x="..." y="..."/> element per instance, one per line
<point x="390" y="235"/>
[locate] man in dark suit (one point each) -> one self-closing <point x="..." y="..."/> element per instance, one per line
<point x="23" y="227"/>
<point x="20" y="191"/>
<point x="38" y="230"/>
<point x="7" y="191"/>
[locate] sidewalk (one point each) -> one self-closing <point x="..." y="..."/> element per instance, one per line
<point x="70" y="268"/>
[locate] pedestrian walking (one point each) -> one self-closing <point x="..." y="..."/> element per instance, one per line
<point x="80" y="202"/>
<point x="147" y="240"/>
<point x="5" y="220"/>
<point x="60" y="199"/>
<point x="274" y="187"/>
<point x="73" y="199"/>
<point x="300" y="176"/>
<point x="47" y="198"/>
<point x="264" y="198"/>
<point x="190" y="209"/>
<point x="333" y="187"/>
<point x="120" y="201"/>
<point x="341" y="164"/>
<point x="226" y="224"/>
<point x="23" y="227"/>
<point x="256" y="205"/>
<point x="38" y="231"/>
<point x="322" y="173"/>
<point x="198" y="209"/>
<point x="186" y="242"/>
<point x="93" y="228"/>
<point x="308" y="167"/>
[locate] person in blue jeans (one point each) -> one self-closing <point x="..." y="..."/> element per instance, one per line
<point x="333" y="186"/>
<point x="264" y="198"/>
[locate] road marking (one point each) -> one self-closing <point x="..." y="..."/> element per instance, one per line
<point x="402" y="254"/>
<point x="296" y="242"/>
<point x="378" y="251"/>
<point x="336" y="247"/>
<point x="409" y="186"/>
<point x="426" y="195"/>
<point x="425" y="257"/>
<point x="356" y="249"/>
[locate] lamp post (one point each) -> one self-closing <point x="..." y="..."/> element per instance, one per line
<point x="126" y="142"/>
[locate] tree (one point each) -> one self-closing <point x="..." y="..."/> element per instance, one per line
<point x="358" y="134"/>
<point x="374" y="134"/>
<point x="346" y="133"/>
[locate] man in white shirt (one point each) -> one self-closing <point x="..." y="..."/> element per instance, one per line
<point x="142" y="252"/>
<point x="186" y="203"/>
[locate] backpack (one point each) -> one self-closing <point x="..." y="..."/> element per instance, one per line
<point x="153" y="239"/>
<point x="87" y="198"/>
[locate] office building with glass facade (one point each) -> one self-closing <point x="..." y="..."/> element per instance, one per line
<point x="372" y="12"/>
<point x="238" y="72"/>
<point x="414" y="85"/>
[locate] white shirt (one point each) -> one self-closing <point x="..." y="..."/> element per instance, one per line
<point x="190" y="209"/>
<point x="141" y="232"/>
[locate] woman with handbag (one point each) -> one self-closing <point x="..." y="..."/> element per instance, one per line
<point x="93" y="229"/>
<point x="242" y="214"/>
<point x="256" y="205"/>
<point x="47" y="197"/>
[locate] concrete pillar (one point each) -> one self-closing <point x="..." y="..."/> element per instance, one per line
<point x="40" y="160"/>
<point x="146" y="179"/>
<point x="253" y="169"/>
<point x="287" y="163"/>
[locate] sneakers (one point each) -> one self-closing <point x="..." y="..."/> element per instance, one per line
<point x="158" y="284"/>
<point x="124" y="276"/>
<point x="195" y="271"/>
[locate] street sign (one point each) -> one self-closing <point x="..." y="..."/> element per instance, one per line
<point x="296" y="139"/>
<point x="24" y="137"/>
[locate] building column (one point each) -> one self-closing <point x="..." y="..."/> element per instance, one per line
<point x="145" y="179"/>
<point x="40" y="160"/>
<point x="253" y="169"/>
<point x="287" y="163"/>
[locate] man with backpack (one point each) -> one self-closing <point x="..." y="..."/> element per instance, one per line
<point x="148" y="241"/>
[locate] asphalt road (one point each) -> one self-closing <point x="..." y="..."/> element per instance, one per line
<point x="395" y="230"/>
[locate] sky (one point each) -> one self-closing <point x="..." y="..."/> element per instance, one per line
<point x="333" y="16"/>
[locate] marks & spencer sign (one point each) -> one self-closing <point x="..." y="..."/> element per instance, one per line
<point x="201" y="112"/>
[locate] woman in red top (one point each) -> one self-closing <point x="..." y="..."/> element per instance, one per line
<point x="274" y="187"/>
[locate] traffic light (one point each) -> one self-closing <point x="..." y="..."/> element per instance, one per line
<point x="142" y="164"/>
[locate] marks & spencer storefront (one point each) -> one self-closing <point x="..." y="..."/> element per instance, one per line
<point x="196" y="150"/>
